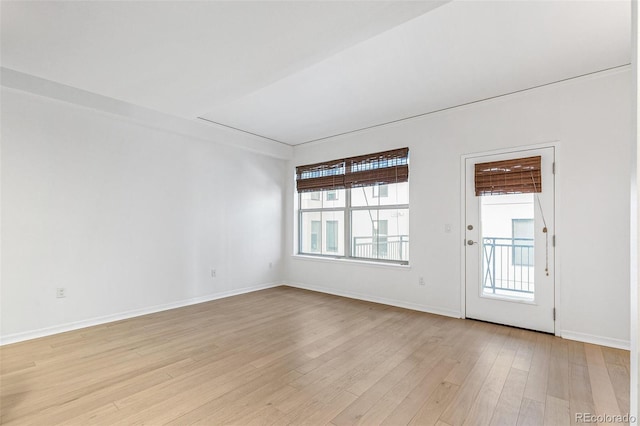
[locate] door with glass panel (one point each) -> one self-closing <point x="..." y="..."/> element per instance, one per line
<point x="509" y="239"/>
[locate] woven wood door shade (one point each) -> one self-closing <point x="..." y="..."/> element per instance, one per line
<point x="515" y="176"/>
<point x="380" y="168"/>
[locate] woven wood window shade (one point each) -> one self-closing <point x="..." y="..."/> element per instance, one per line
<point x="379" y="168"/>
<point x="516" y="176"/>
<point x="320" y="176"/>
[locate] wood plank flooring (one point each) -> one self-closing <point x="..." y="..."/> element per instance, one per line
<point x="290" y="356"/>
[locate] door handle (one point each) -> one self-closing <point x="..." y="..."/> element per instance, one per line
<point x="471" y="242"/>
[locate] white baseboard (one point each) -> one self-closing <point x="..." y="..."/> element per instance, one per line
<point x="596" y="340"/>
<point x="42" y="332"/>
<point x="565" y="334"/>
<point x="34" y="334"/>
<point x="381" y="300"/>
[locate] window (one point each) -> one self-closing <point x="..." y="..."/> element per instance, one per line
<point x="362" y="211"/>
<point x="315" y="235"/>
<point x="321" y="224"/>
<point x="380" y="191"/>
<point x="332" y="236"/>
<point x="380" y="237"/>
<point x="523" y="236"/>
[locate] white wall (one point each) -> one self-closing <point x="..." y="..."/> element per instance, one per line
<point x="130" y="218"/>
<point x="590" y="119"/>
<point x="635" y="229"/>
<point x="127" y="217"/>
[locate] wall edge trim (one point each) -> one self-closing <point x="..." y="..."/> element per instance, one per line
<point x="382" y="300"/>
<point x="90" y="322"/>
<point x="596" y="340"/>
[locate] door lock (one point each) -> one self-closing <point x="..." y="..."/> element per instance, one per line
<point x="470" y="227"/>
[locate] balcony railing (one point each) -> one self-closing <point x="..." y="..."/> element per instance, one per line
<point x="386" y="247"/>
<point x="507" y="265"/>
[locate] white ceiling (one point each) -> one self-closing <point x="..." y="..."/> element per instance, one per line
<point x="296" y="71"/>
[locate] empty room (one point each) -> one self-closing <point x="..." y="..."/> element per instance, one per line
<point x="319" y="212"/>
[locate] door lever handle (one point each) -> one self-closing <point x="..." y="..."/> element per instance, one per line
<point x="471" y="242"/>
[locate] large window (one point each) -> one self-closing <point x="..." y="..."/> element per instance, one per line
<point x="356" y="208"/>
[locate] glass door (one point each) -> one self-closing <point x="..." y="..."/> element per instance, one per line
<point x="509" y="240"/>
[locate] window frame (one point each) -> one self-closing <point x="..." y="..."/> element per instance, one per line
<point x="347" y="211"/>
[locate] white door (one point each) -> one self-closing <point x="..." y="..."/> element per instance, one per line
<point x="510" y="249"/>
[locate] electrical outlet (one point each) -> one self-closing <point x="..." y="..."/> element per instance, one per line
<point x="213" y="273"/>
<point x="61" y="292"/>
<point x="421" y="281"/>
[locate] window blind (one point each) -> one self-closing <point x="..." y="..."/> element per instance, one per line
<point x="515" y="176"/>
<point x="320" y="176"/>
<point x="380" y="168"/>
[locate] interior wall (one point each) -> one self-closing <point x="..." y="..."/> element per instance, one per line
<point x="635" y="229"/>
<point x="589" y="120"/>
<point x="130" y="218"/>
<point x="127" y="218"/>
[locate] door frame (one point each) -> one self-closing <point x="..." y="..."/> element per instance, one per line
<point x="557" y="225"/>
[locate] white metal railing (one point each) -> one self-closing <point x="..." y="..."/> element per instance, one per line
<point x="507" y="264"/>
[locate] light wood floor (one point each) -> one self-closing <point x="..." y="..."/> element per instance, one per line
<point x="289" y="356"/>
